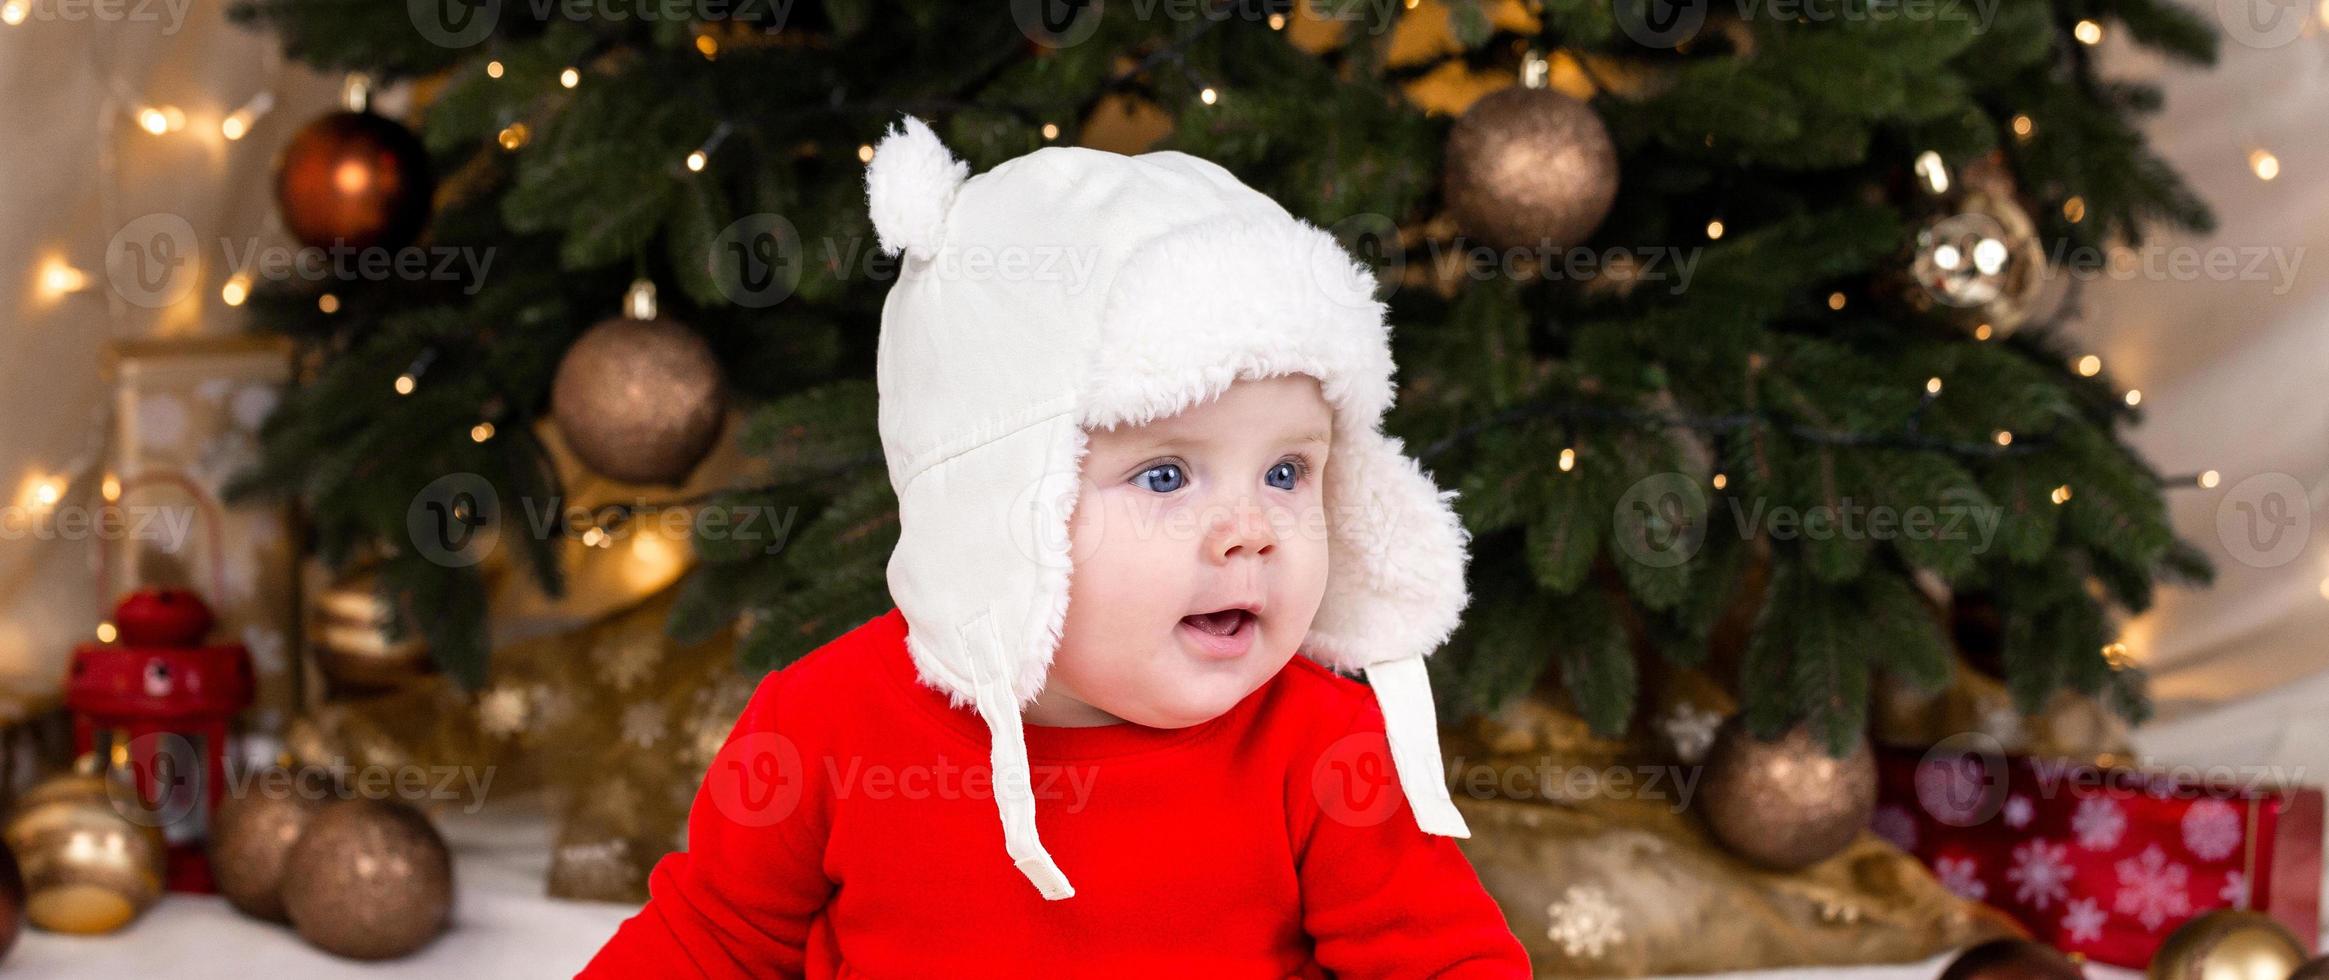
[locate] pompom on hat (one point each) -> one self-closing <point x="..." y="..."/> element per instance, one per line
<point x="1073" y="289"/>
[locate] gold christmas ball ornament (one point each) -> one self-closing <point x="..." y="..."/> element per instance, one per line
<point x="1785" y="804"/>
<point x="2011" y="959"/>
<point x="88" y="867"/>
<point x="2228" y="945"/>
<point x="350" y="627"/>
<point x="1980" y="262"/>
<point x="251" y="840"/>
<point x="1530" y="168"/>
<point x="369" y="880"/>
<point x="639" y="399"/>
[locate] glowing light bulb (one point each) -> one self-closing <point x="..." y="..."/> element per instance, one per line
<point x="236" y="290"/>
<point x="1714" y="229"/>
<point x="2266" y="165"/>
<point x="2209" y="479"/>
<point x="1932" y="386"/>
<point x="569" y="78"/>
<point x="1568" y="460"/>
<point x="2089" y="366"/>
<point x="2134" y="397"/>
<point x="1208" y="96"/>
<point x="2088" y="32"/>
<point x="695" y="161"/>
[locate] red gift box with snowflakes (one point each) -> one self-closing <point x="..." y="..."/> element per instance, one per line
<point x="2105" y="862"/>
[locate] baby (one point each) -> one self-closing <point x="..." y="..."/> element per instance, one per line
<point x="1148" y="519"/>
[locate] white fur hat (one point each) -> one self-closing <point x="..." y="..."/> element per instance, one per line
<point x="1073" y="288"/>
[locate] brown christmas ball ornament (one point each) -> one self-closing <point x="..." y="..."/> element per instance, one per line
<point x="251" y="842"/>
<point x="639" y="398"/>
<point x="1784" y="804"/>
<point x="2228" y="945"/>
<point x="369" y="880"/>
<point x="2011" y="959"/>
<point x="355" y="180"/>
<point x="88" y="868"/>
<point x="1530" y="168"/>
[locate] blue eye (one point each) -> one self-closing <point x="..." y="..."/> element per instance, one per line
<point x="1286" y="474"/>
<point x="1167" y="473"/>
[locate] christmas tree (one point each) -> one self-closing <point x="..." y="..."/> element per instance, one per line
<point x="1705" y="312"/>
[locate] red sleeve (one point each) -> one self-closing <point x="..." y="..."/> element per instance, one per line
<point x="1381" y="898"/>
<point x="740" y="901"/>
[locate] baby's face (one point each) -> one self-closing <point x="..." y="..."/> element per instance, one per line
<point x="1200" y="551"/>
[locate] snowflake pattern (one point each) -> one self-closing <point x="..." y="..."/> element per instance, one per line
<point x="1691" y="730"/>
<point x="2152" y="888"/>
<point x="2235" y="892"/>
<point x="1961" y="875"/>
<point x="625" y="662"/>
<point x="1584" y="922"/>
<point x="2211" y="829"/>
<point x="502" y="712"/>
<point x="2083" y="920"/>
<point x="643" y="724"/>
<point x="1896" y="825"/>
<point x="2098" y="823"/>
<point x="2019" y="812"/>
<point x="2041" y="873"/>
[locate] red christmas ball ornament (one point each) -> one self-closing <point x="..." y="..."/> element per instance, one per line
<point x="354" y="180"/>
<point x="162" y="618"/>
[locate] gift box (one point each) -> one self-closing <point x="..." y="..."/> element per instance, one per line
<point x="2105" y="861"/>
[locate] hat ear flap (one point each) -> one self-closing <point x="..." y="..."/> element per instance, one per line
<point x="1395" y="581"/>
<point x="910" y="186"/>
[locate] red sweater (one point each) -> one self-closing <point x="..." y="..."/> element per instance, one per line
<point x="848" y="829"/>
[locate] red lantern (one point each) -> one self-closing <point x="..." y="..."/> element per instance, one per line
<point x="156" y="709"/>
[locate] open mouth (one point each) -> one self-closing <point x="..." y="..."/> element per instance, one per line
<point x="1221" y="634"/>
<point x="1225" y="622"/>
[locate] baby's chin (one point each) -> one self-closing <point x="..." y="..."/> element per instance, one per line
<point x="1195" y="697"/>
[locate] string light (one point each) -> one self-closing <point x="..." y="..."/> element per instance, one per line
<point x="1835" y="301"/>
<point x="1721" y="481"/>
<point x="2089" y="366"/>
<point x="1982" y="332"/>
<point x="236" y="290"/>
<point x="161" y="120"/>
<point x="493" y="68"/>
<point x="865" y="153"/>
<point x="708" y="46"/>
<point x="2074" y="209"/>
<point x="1933" y="386"/>
<point x="13" y="12"/>
<point x="695" y="161"/>
<point x="2004" y="438"/>
<point x="237" y="124"/>
<point x="2024" y="126"/>
<point x="1568" y="460"/>
<point x="513" y="136"/>
<point x="328" y="303"/>
<point x="481" y="432"/>
<point x="404" y="384"/>
<point x="2061" y="495"/>
<point x="2209" y="479"/>
<point x="46" y="491"/>
<point x="106" y="633"/>
<point x="2263" y="163"/>
<point x="59" y="277"/>
<point x="702" y="155"/>
<point x="1934" y="173"/>
<point x="110" y="489"/>
<point x="1277" y="22"/>
<point x="593" y="538"/>
<point x="1051" y="131"/>
<point x="2115" y="654"/>
<point x="569" y="78"/>
<point x="1208" y="96"/>
<point x="2134" y="397"/>
<point x="2087" y="32"/>
<point x="1714" y="229"/>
